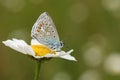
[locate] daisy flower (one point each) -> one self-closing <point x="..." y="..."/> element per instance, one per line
<point x="37" y="50"/>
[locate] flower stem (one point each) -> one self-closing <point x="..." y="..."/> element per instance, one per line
<point x="37" y="70"/>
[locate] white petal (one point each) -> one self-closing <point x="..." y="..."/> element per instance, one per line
<point x="19" y="45"/>
<point x="29" y="50"/>
<point x="38" y="57"/>
<point x="35" y="42"/>
<point x="70" y="51"/>
<point x="62" y="54"/>
<point x="68" y="57"/>
<point x="58" y="54"/>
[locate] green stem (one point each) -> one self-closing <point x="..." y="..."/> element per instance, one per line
<point x="37" y="70"/>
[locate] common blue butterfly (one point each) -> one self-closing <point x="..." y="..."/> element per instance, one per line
<point x="44" y="31"/>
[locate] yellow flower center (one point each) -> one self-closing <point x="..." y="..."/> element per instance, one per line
<point x="41" y="50"/>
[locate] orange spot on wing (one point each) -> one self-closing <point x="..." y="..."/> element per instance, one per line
<point x="38" y="30"/>
<point x="40" y="25"/>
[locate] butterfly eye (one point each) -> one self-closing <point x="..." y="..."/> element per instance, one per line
<point x="61" y="44"/>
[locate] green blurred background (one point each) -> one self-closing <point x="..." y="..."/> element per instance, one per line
<point x="90" y="27"/>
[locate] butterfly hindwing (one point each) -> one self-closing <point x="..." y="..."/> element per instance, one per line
<point x="44" y="30"/>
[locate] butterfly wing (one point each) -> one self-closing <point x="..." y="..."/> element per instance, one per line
<point x="44" y="30"/>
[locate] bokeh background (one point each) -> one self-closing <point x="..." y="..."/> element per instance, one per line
<point x="90" y="27"/>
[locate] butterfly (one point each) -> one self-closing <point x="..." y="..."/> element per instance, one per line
<point x="44" y="31"/>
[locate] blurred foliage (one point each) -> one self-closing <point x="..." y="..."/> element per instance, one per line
<point x="90" y="27"/>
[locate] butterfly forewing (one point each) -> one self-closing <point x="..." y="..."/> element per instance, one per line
<point x="44" y="30"/>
